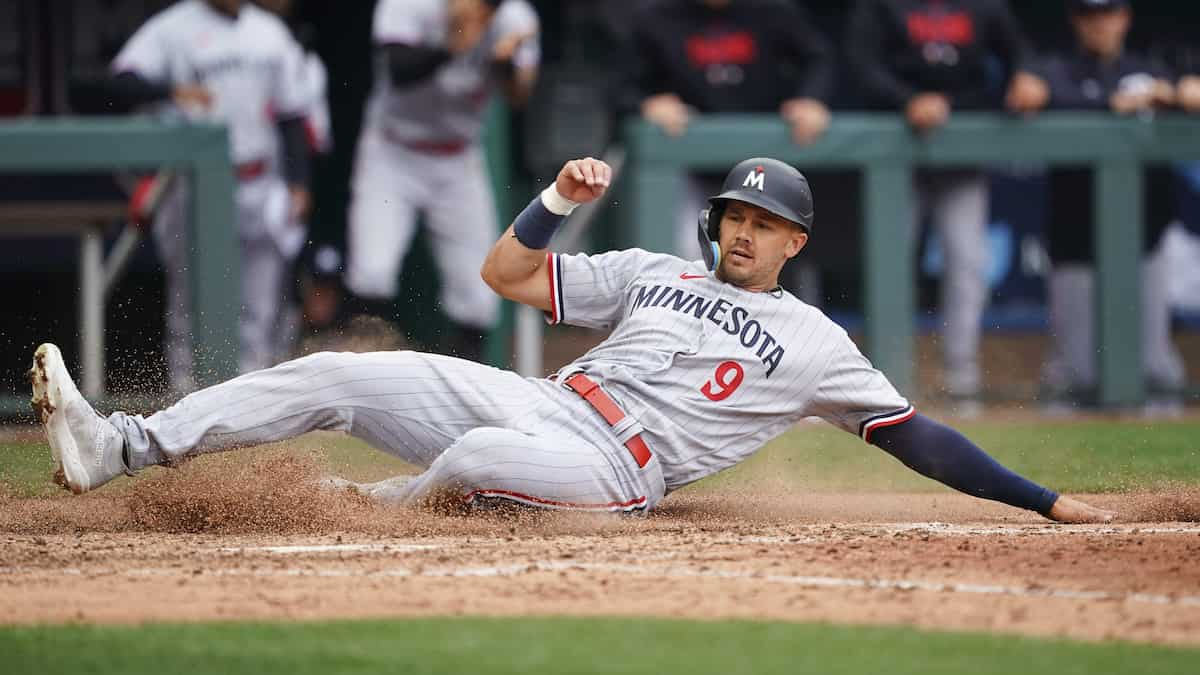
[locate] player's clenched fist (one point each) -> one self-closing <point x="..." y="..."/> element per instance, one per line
<point x="582" y="180"/>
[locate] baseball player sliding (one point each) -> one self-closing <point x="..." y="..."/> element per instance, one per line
<point x="707" y="361"/>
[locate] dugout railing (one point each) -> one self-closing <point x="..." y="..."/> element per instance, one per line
<point x="879" y="145"/>
<point x="199" y="153"/>
<point x="886" y="152"/>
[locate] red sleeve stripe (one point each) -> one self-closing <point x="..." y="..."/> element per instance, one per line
<point x="529" y="500"/>
<point x="555" y="315"/>
<point x="890" y="419"/>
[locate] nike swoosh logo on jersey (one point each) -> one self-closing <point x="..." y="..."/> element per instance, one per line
<point x="685" y="275"/>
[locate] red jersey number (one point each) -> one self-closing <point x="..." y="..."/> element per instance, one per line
<point x="725" y="381"/>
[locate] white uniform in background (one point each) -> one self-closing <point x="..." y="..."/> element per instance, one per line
<point x="288" y="233"/>
<point x="256" y="73"/>
<point x="420" y="152"/>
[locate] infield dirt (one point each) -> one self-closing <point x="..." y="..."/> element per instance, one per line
<point x="223" y="539"/>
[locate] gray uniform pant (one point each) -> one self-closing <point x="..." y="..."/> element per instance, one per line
<point x="266" y="325"/>
<point x="956" y="203"/>
<point x="480" y="430"/>
<point x="1071" y="364"/>
<point x="391" y="183"/>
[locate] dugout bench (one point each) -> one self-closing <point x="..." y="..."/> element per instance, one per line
<point x="885" y="151"/>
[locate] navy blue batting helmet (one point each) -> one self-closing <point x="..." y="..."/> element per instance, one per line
<point x="768" y="183"/>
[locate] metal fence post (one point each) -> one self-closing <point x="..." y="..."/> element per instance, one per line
<point x="216" y="291"/>
<point x="887" y="270"/>
<point x="1117" y="196"/>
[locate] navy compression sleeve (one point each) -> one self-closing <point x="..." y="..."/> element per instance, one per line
<point x="127" y="90"/>
<point x="297" y="152"/>
<point x="409" y="64"/>
<point x="941" y="453"/>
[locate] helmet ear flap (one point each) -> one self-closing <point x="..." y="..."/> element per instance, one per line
<point x="709" y="221"/>
<point x="712" y="217"/>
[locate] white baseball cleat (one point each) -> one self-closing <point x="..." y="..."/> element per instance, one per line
<point x="87" y="448"/>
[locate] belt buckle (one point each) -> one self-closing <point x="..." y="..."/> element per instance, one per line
<point x="582" y="390"/>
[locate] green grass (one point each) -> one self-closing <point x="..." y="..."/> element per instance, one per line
<point x="25" y="468"/>
<point x="1074" y="456"/>
<point x="560" y="645"/>
<point x="1088" y="455"/>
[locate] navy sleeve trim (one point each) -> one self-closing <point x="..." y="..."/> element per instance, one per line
<point x="554" y="270"/>
<point x="885" y="420"/>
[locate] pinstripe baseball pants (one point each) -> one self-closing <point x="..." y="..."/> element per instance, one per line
<point x="480" y="430"/>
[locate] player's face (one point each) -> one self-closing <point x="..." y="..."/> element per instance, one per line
<point x="754" y="246"/>
<point x="464" y="11"/>
<point x="1102" y="33"/>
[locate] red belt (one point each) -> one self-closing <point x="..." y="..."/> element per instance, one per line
<point x="437" y="147"/>
<point x="427" y="147"/>
<point x="250" y="170"/>
<point x="592" y="393"/>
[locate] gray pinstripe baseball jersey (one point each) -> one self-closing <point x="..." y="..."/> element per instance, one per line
<point x="710" y="370"/>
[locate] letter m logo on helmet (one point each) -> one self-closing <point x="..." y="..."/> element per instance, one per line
<point x="756" y="178"/>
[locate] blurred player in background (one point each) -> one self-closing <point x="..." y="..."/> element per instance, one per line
<point x="438" y="64"/>
<point x="691" y="57"/>
<point x="1102" y="74"/>
<point x="927" y="58"/>
<point x="229" y="61"/>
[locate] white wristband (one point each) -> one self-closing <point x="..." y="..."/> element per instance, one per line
<point x="556" y="203"/>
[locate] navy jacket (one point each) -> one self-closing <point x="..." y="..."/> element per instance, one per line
<point x="965" y="49"/>
<point x="1079" y="81"/>
<point x="748" y="57"/>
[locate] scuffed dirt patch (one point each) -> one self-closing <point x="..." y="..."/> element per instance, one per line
<point x="269" y="495"/>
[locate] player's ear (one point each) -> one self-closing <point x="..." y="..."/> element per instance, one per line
<point x="795" y="243"/>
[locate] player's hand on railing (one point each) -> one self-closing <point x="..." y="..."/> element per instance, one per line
<point x="583" y="180"/>
<point x="1143" y="96"/>
<point x="1163" y="94"/>
<point x="928" y="110"/>
<point x="1188" y="93"/>
<point x="192" y="97"/>
<point x="808" y="118"/>
<point x="667" y="112"/>
<point x="1027" y="93"/>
